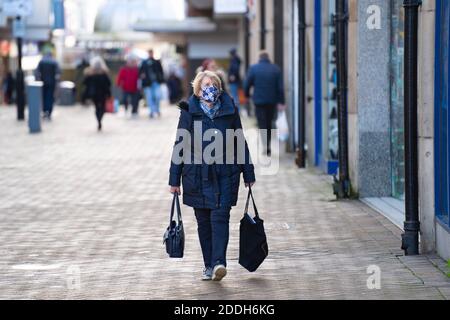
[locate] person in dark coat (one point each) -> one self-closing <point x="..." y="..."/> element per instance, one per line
<point x="210" y="184"/>
<point x="99" y="84"/>
<point x="48" y="72"/>
<point x="268" y="94"/>
<point x="152" y="76"/>
<point x="174" y="86"/>
<point x="79" y="78"/>
<point x="234" y="76"/>
<point x="9" y="84"/>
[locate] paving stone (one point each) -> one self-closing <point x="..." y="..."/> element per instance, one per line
<point x="83" y="215"/>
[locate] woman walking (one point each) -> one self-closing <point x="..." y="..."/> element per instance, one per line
<point x="127" y="80"/>
<point x="99" y="85"/>
<point x="211" y="186"/>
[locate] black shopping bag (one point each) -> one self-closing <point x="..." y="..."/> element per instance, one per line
<point x="174" y="235"/>
<point x="253" y="248"/>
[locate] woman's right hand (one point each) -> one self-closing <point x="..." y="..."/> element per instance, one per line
<point x="175" y="190"/>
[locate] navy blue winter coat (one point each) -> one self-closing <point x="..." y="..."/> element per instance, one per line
<point x="213" y="185"/>
<point x="267" y="82"/>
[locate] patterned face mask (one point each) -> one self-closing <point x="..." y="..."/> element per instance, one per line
<point x="210" y="94"/>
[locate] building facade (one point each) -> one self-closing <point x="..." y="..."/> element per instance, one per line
<point x="375" y="108"/>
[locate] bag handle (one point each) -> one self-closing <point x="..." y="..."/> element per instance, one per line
<point x="177" y="202"/>
<point x="250" y="194"/>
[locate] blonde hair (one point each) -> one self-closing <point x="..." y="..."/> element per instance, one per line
<point x="197" y="83"/>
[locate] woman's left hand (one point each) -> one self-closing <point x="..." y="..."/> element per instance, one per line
<point x="251" y="184"/>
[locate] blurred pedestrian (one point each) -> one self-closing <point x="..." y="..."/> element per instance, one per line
<point x="127" y="80"/>
<point x="152" y="75"/>
<point x="99" y="84"/>
<point x="268" y="93"/>
<point x="79" y="78"/>
<point x="175" y="88"/>
<point x="211" y="65"/>
<point x="8" y="87"/>
<point x="48" y="72"/>
<point x="234" y="76"/>
<point x="211" y="189"/>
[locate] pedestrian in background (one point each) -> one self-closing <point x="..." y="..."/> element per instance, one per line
<point x="99" y="84"/>
<point x="234" y="75"/>
<point x="211" y="65"/>
<point x="48" y="72"/>
<point x="152" y="75"/>
<point x="175" y="88"/>
<point x="82" y="65"/>
<point x="268" y="93"/>
<point x="8" y="86"/>
<point x="127" y="80"/>
<point x="211" y="189"/>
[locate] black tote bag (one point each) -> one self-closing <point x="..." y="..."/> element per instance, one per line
<point x="174" y="235"/>
<point x="253" y="248"/>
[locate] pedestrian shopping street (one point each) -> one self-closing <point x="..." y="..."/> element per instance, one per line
<point x="83" y="214"/>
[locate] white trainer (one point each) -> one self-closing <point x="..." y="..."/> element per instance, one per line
<point x="219" y="272"/>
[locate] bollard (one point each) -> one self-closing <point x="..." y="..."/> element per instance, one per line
<point x="34" y="97"/>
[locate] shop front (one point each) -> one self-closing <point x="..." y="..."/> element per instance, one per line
<point x="442" y="89"/>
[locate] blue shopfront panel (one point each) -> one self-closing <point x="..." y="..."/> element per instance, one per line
<point x="442" y="115"/>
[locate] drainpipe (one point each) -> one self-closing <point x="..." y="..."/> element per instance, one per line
<point x="278" y="33"/>
<point x="300" y="160"/>
<point x="247" y="52"/>
<point x="20" y="84"/>
<point x="247" y="41"/>
<point x="410" y="238"/>
<point x="262" y="41"/>
<point x="341" y="186"/>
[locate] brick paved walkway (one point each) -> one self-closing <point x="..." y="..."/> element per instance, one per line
<point x="74" y="200"/>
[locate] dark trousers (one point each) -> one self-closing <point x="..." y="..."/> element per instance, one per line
<point x="134" y="97"/>
<point x="213" y="232"/>
<point x="48" y="97"/>
<point x="99" y="110"/>
<point x="265" y="115"/>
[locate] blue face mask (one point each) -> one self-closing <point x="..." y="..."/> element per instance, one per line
<point x="210" y="94"/>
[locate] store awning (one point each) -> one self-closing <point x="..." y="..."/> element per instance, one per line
<point x="188" y="25"/>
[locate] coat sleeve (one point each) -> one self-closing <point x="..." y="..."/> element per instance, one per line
<point x="249" y="81"/>
<point x="160" y="71"/>
<point x="142" y="71"/>
<point x="108" y="86"/>
<point x="176" y="169"/>
<point x="248" y="169"/>
<point x="37" y="72"/>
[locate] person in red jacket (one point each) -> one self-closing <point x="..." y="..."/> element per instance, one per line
<point x="127" y="80"/>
